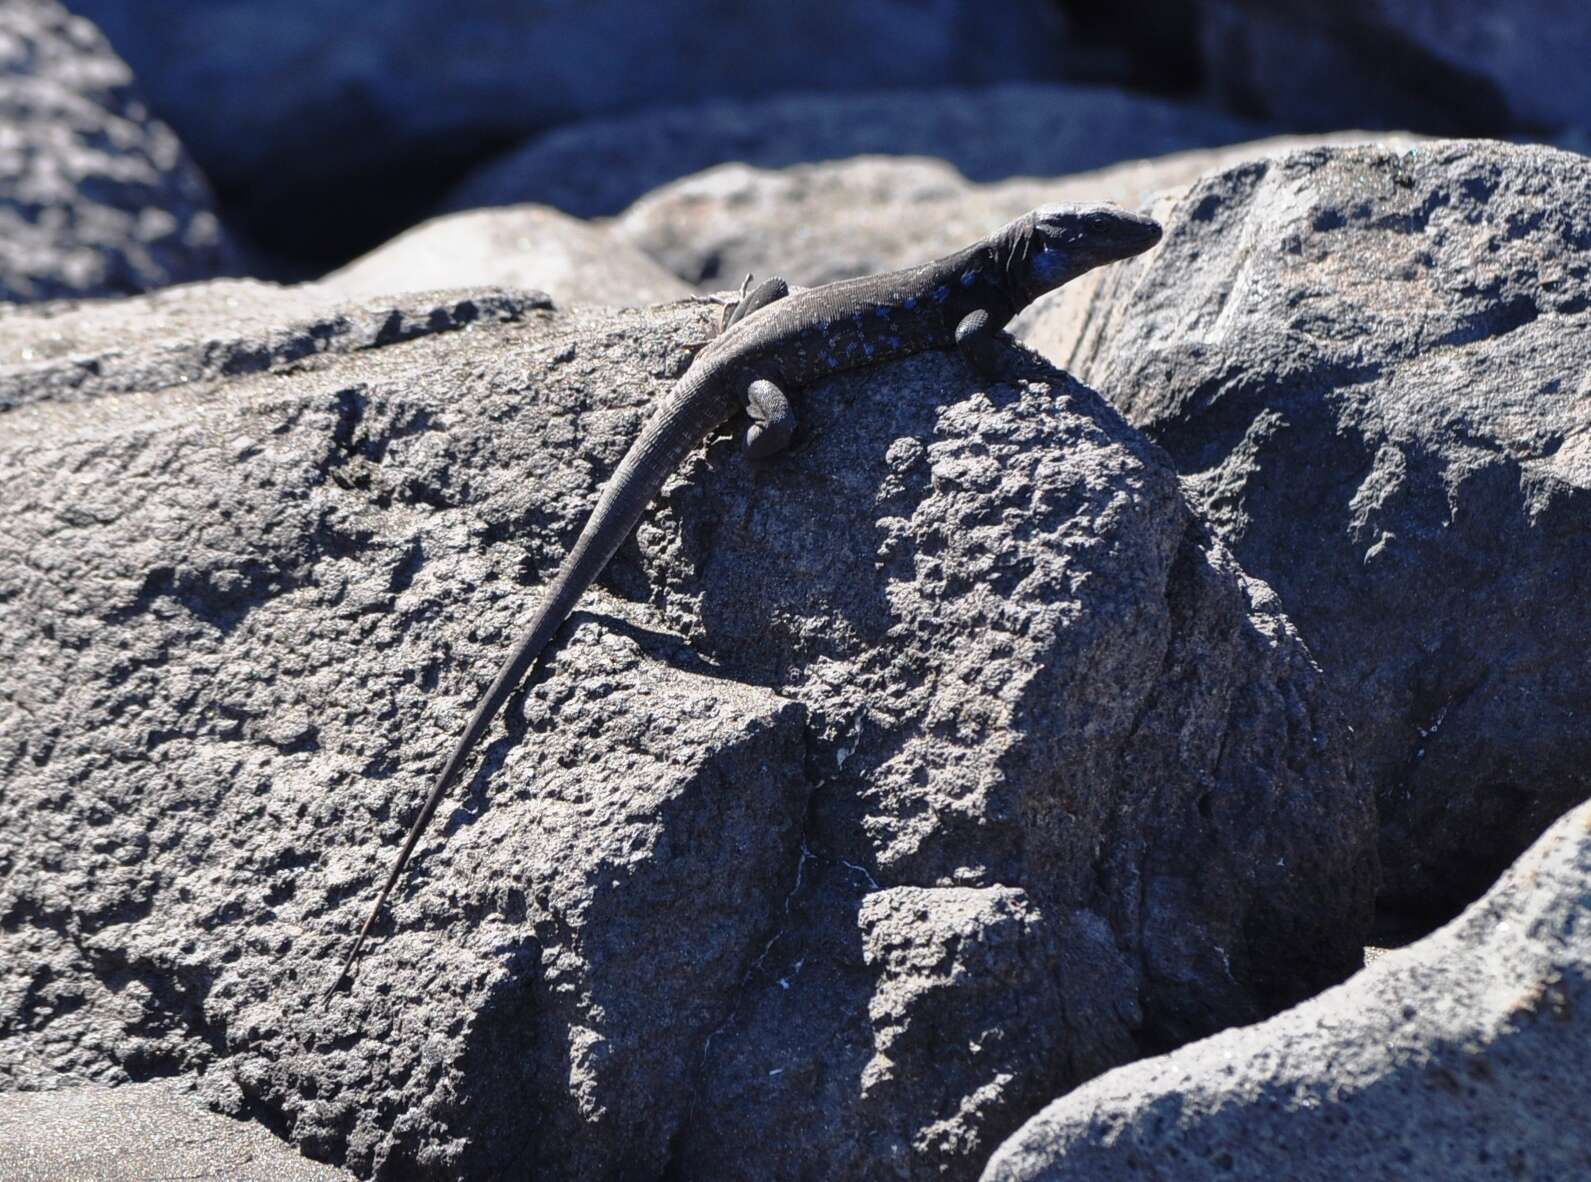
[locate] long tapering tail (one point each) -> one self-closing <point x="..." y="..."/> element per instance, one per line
<point x="664" y="442"/>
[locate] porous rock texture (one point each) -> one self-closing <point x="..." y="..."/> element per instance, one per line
<point x="1458" y="1057"/>
<point x="818" y="223"/>
<point x="390" y="101"/>
<point x="97" y="197"/>
<point x="522" y="246"/>
<point x="599" y="166"/>
<point x="1374" y="367"/>
<point x="884" y="790"/>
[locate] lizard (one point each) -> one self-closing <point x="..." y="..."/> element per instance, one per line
<point x="772" y="340"/>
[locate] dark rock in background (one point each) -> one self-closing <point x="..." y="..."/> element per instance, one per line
<point x="1467" y="67"/>
<point x="97" y="197"/>
<point x="1374" y="368"/>
<point x="1446" y="67"/>
<point x="363" y="113"/>
<point x="925" y="771"/>
<point x="1461" y="1057"/>
<point x="600" y="166"/>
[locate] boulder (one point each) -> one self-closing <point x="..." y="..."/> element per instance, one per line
<point x="366" y="113"/>
<point x="1458" y="1057"/>
<point x="522" y="246"/>
<point x="1374" y="368"/>
<point x="598" y="167"/>
<point x="1449" y="66"/>
<point x="97" y="197"/>
<point x="211" y="332"/>
<point x="817" y="223"/>
<point x="882" y="791"/>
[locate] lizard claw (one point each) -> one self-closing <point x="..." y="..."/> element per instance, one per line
<point x="730" y="306"/>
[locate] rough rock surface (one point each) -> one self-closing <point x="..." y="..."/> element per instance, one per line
<point x="524" y="246"/>
<point x="408" y="91"/>
<point x="149" y="1132"/>
<point x="66" y="352"/>
<point x="1453" y="66"/>
<point x="97" y="198"/>
<point x="599" y="167"/>
<point x="1459" y="1057"/>
<point x="907" y="780"/>
<point x="817" y="223"/>
<point x="1375" y="368"/>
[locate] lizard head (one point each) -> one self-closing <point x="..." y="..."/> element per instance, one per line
<point x="1056" y="243"/>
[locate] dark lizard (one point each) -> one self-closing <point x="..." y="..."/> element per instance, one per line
<point x="773" y="341"/>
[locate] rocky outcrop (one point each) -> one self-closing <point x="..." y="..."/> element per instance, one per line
<point x="524" y="246"/>
<point x="986" y="134"/>
<point x="817" y="223"/>
<point x="1373" y="368"/>
<point x="390" y="102"/>
<point x="1458" y="1057"/>
<point x="97" y="198"/>
<point x="883" y="790"/>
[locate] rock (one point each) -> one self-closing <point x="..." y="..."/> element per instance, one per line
<point x="221" y="330"/>
<point x="525" y="246"/>
<point x="408" y="93"/>
<point x="882" y="792"/>
<point x="97" y="198"/>
<point x="818" y="223"/>
<point x="1454" y="1058"/>
<point x="1452" y="66"/>
<point x="1373" y="368"/>
<point x="145" y="1132"/>
<point x="599" y="167"/>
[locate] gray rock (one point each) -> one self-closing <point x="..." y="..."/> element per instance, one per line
<point x="600" y="166"/>
<point x="882" y="792"/>
<point x="215" y="331"/>
<point x="150" y="1132"/>
<point x="97" y="198"/>
<point x="389" y="102"/>
<point x="1455" y="66"/>
<point x="1459" y="1057"/>
<point x="525" y="246"/>
<point x="818" y="223"/>
<point x="1374" y="368"/>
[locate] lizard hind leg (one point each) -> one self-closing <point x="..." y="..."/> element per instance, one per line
<point x="765" y="293"/>
<point x="773" y="420"/>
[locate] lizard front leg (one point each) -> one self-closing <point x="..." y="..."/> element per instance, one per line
<point x="978" y="342"/>
<point x="773" y="420"/>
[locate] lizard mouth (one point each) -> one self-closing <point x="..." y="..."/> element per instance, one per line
<point x="1139" y="234"/>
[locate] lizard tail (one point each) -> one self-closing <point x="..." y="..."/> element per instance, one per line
<point x="641" y="473"/>
<point x="554" y="607"/>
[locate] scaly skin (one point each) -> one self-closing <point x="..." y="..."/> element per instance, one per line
<point x="775" y="343"/>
